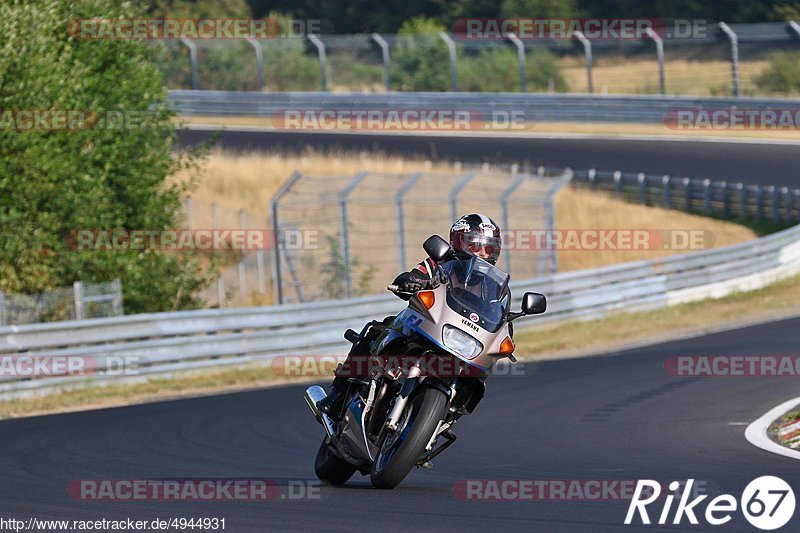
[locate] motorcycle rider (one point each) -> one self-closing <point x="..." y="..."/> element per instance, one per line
<point x="472" y="234"/>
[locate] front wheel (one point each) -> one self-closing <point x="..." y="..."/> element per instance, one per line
<point x="331" y="468"/>
<point x="402" y="449"/>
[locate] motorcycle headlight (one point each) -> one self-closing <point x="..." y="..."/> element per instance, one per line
<point x="462" y="343"/>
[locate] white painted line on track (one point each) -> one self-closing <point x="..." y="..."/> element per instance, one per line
<point x="756" y="432"/>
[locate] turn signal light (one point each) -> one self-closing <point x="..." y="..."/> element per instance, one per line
<point x="507" y="346"/>
<point x="427" y="298"/>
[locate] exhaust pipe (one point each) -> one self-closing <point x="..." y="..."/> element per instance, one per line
<point x="312" y="395"/>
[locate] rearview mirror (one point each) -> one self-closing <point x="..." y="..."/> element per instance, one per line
<point x="534" y="303"/>
<point x="436" y="248"/>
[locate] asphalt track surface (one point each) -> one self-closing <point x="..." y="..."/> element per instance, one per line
<point x="751" y="163"/>
<point x="616" y="416"/>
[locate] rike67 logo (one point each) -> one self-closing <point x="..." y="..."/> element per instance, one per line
<point x="767" y="503"/>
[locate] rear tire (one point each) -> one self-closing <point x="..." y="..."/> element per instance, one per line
<point x="396" y="458"/>
<point x="330" y="468"/>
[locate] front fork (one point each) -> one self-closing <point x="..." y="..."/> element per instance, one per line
<point x="400" y="404"/>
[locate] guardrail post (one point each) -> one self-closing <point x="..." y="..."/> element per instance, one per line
<point x="77" y="291"/>
<point x="193" y="58"/>
<point x="345" y="231"/>
<point x="504" y="196"/>
<point x="456" y="190"/>
<point x="660" y="54"/>
<point x="520" y="57"/>
<point x="617" y="183"/>
<point x="592" y="177"/>
<point x="274" y="204"/>
<point x="759" y="202"/>
<point x="587" y="48"/>
<point x="742" y="200"/>
<point x="687" y="193"/>
<point x="787" y="204"/>
<point x="387" y="79"/>
<point x="116" y="301"/>
<point x="323" y="63"/>
<point x="726" y="205"/>
<point x="260" y="58"/>
<point x="451" y="47"/>
<point x="773" y="201"/>
<point x="667" y="198"/>
<point x="734" y="40"/>
<point x="707" y="195"/>
<point x="401" y="224"/>
<point x="642" y="179"/>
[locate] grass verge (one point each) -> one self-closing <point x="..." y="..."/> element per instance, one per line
<point x="551" y="341"/>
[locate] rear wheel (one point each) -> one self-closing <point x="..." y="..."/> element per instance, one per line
<point x="402" y="449"/>
<point x="331" y="468"/>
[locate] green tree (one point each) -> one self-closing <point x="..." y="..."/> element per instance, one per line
<point x="539" y="8"/>
<point x="57" y="181"/>
<point x="420" y="61"/>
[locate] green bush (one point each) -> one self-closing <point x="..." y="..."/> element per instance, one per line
<point x="782" y="75"/>
<point x="56" y="181"/>
<point x="420" y="60"/>
<point x="497" y="70"/>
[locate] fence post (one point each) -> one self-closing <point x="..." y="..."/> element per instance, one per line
<point x="552" y="256"/>
<point x="456" y="190"/>
<point x="773" y="201"/>
<point x="401" y="228"/>
<point x="387" y="79"/>
<point x="116" y="302"/>
<point x="797" y="196"/>
<point x="260" y="58"/>
<point x="520" y="57"/>
<point x="504" y="196"/>
<point x="617" y="183"/>
<point x="188" y="207"/>
<point x="742" y="200"/>
<point x="451" y="47"/>
<point x="277" y="236"/>
<point x="193" y="58"/>
<point x="77" y="291"/>
<point x="687" y="193"/>
<point x="242" y="281"/>
<point x="734" y="55"/>
<point x="642" y="188"/>
<point x="220" y="281"/>
<point x="726" y="205"/>
<point x="345" y="230"/>
<point x="667" y="198"/>
<point x="660" y="54"/>
<point x="707" y="195"/>
<point x="323" y="63"/>
<point x="587" y="48"/>
<point x="592" y="176"/>
<point x="2" y="309"/>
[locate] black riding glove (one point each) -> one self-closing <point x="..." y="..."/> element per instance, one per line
<point x="414" y="285"/>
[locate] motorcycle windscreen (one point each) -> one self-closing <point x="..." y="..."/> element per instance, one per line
<point x="477" y="288"/>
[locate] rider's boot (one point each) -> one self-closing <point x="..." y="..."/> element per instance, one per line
<point x="331" y="405"/>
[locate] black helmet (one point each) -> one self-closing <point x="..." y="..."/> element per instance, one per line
<point x="478" y="235"/>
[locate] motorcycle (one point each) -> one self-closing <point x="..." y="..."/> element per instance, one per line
<point x="427" y="370"/>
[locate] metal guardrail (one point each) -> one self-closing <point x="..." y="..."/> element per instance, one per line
<point x="172" y="343"/>
<point x="494" y="107"/>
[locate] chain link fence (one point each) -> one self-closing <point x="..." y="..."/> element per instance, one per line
<point x="713" y="59"/>
<point x="81" y="301"/>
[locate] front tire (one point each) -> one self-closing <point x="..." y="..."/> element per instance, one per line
<point x="401" y="449"/>
<point x="331" y="468"/>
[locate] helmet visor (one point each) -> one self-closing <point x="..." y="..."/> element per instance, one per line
<point x="483" y="246"/>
